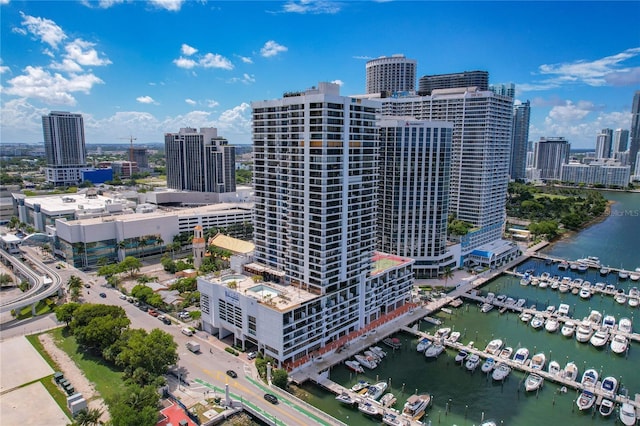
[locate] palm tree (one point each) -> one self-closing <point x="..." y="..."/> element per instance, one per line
<point x="90" y="417"/>
<point x="446" y="274"/>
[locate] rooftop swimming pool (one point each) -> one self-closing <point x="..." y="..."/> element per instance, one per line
<point x="263" y="291"/>
<point x="229" y="278"/>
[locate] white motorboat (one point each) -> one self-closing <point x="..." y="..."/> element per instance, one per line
<point x="365" y="361"/>
<point x="634" y="276"/>
<point x="634" y="292"/>
<point x="388" y="399"/>
<point x="369" y="354"/>
<point x="526" y="316"/>
<point x="490" y="297"/>
<point x="609" y="322"/>
<point x="595" y="318"/>
<point x="584" y="332"/>
<point x="610" y="288"/>
<point x="621" y="299"/>
<point x="501" y="371"/>
<point x="538" y="361"/>
<point x="570" y="371"/>
<point x="453" y="337"/>
<point x="533" y="382"/>
<point x="362" y="384"/>
<point x="443" y="332"/>
<point x="416" y="405"/>
<point x="378" y="351"/>
<point x="488" y="365"/>
<point x="585" y="293"/>
<point x="369" y="408"/>
<point x="550" y="309"/>
<point x="486" y="307"/>
<point x="346" y="398"/>
<point x="472" y="362"/>
<point x="537" y="321"/>
<point x="521" y="356"/>
<point x="545" y="276"/>
<point x="589" y="378"/>
<point x="461" y="356"/>
<point x="375" y="391"/>
<point x="606" y="407"/>
<point x="554" y="368"/>
<point x="563" y="309"/>
<point x="563" y="287"/>
<point x="623" y="275"/>
<point x="354" y="365"/>
<point x="392" y="418"/>
<point x="609" y="386"/>
<point x="434" y="350"/>
<point x="604" y="271"/>
<point x="520" y="303"/>
<point x="582" y="267"/>
<point x="494" y="347"/>
<point x="501" y="298"/>
<point x="543" y="284"/>
<point x="627" y="414"/>
<point x="633" y="302"/>
<point x="600" y="338"/>
<point x="551" y="324"/>
<point x="619" y="344"/>
<point x="624" y="325"/>
<point x="563" y="265"/>
<point x="568" y="328"/>
<point x="506" y="352"/>
<point x="585" y="400"/>
<point x="423" y="344"/>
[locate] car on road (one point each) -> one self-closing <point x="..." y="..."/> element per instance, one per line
<point x="232" y="374"/>
<point x="271" y="398"/>
<point x="103" y="295"/>
<point x="166" y="321"/>
<point x="251" y="355"/>
<point x="87" y="285"/>
<point x="153" y="312"/>
<point x="123" y="296"/>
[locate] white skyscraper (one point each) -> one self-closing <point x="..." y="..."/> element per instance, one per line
<point x="391" y="74"/>
<point x="64" y="147"/>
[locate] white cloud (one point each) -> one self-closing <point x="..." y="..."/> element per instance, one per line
<point x="83" y="53"/>
<point x="3" y="68"/>
<point x="21" y="121"/>
<point x="271" y="48"/>
<point x="211" y="103"/>
<point x="4" y="1"/>
<point x="338" y="82"/>
<point x="52" y="89"/>
<point x="103" y="4"/>
<point x="211" y="60"/>
<point x="67" y="65"/>
<point x="190" y="101"/>
<point x="629" y="77"/>
<point x="570" y="112"/>
<point x="145" y="99"/>
<point x="170" y="5"/>
<point x="188" y="50"/>
<point x="44" y="29"/>
<point x="315" y="7"/>
<point x="367" y="58"/>
<point x="246" y="59"/>
<point x="245" y="79"/>
<point x="185" y="63"/>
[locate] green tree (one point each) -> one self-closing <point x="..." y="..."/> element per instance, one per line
<point x="5" y="279"/>
<point x="131" y="264"/>
<point x="90" y="417"/>
<point x="447" y="274"/>
<point x="280" y="378"/>
<point x="153" y="352"/>
<point x="65" y="312"/>
<point x="142" y="292"/>
<point x="134" y="406"/>
<point x="98" y="326"/>
<point x="74" y="282"/>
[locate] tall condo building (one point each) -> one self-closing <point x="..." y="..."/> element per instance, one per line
<point x="508" y="89"/>
<point x="320" y="280"/>
<point x="391" y="74"/>
<point x="64" y="147"/>
<point x="634" y="147"/>
<point x="520" y="141"/>
<point x="480" y="153"/>
<point x="199" y="161"/>
<point x="620" y="141"/>
<point x="604" y="143"/>
<point x="429" y="83"/>
<point x="550" y="155"/>
<point x="413" y="199"/>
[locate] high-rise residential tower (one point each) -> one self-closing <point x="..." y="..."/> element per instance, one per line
<point x="520" y="141"/>
<point x="550" y="155"/>
<point x="64" y="146"/>
<point x="391" y="74"/>
<point x="634" y="147"/>
<point x="199" y="161"/>
<point x="413" y="198"/>
<point x="508" y="89"/>
<point x="428" y="83"/>
<point x="620" y="141"/>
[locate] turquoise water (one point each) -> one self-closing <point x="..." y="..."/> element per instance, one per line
<point x="462" y="398"/>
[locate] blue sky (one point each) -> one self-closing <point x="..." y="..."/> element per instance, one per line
<point x="143" y="68"/>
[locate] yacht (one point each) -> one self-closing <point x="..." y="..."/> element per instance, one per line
<point x="461" y="356"/>
<point x="604" y="271"/>
<point x="573" y="266"/>
<point x="490" y="297"/>
<point x="521" y="356"/>
<point x="520" y="303"/>
<point x="526" y="316"/>
<point x="369" y="408"/>
<point x="634" y="292"/>
<point x="633" y="302"/>
<point x="488" y="365"/>
<point x="543" y="284"/>
<point x="443" y="332"/>
<point x="494" y="347"/>
<point x="595" y="317"/>
<point x="423" y="344"/>
<point x="627" y="414"/>
<point x="609" y="386"/>
<point x="538" y="361"/>
<point x="599" y="286"/>
<point x="545" y="276"/>
<point x="550" y="309"/>
<point x="554" y="368"/>
<point x="375" y="391"/>
<point x="551" y="324"/>
<point x="623" y="275"/>
<point x="392" y="418"/>
<point x="634" y="276"/>
<point x="486" y="307"/>
<point x="506" y="352"/>
<point x="563" y="287"/>
<point x="354" y="365"/>
<point x="589" y="378"/>
<point x="346" y="398"/>
<point x="434" y="350"/>
<point x="533" y="382"/>
<point x="568" y="328"/>
<point x="362" y="384"/>
<point x="606" y="407"/>
<point x="610" y="288"/>
<point x="621" y="298"/>
<point x="570" y="371"/>
<point x="387" y="400"/>
<point x="453" y="337"/>
<point x="600" y="338"/>
<point x="416" y="405"/>
<point x="365" y="361"/>
<point x="624" y="325"/>
<point x="472" y="362"/>
<point x="609" y="322"/>
<point x="378" y="351"/>
<point x="563" y="266"/>
<point x="585" y="293"/>
<point x="563" y="309"/>
<point x="584" y="332"/>
<point x="501" y="371"/>
<point x="586" y="400"/>
<point x="619" y="344"/>
<point x="537" y="321"/>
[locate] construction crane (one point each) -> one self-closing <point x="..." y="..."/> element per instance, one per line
<point x="130" y="139"/>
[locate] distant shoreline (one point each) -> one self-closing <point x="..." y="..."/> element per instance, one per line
<point x="598" y="219"/>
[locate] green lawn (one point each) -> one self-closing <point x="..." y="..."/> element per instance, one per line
<point x="552" y="196"/>
<point x="106" y="377"/>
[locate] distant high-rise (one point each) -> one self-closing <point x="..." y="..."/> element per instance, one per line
<point x="620" y="141"/>
<point x="413" y="195"/>
<point x="64" y="146"/>
<point x="199" y="161"/>
<point x="634" y="146"/>
<point x="550" y="155"/>
<point x="604" y="142"/>
<point x="391" y="74"/>
<point x="519" y="141"/>
<point x="139" y="156"/>
<point x="504" y="89"/>
<point x="428" y="83"/>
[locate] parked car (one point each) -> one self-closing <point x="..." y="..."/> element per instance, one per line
<point x="153" y="312"/>
<point x="166" y="321"/>
<point x="232" y="374"/>
<point x="87" y="285"/>
<point x="103" y="295"/>
<point x="123" y="296"/>
<point x="271" y="398"/>
<point x="251" y="355"/>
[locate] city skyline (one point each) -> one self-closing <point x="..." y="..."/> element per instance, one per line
<point x="148" y="68"/>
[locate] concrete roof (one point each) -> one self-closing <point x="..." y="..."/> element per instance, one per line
<point x="232" y="244"/>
